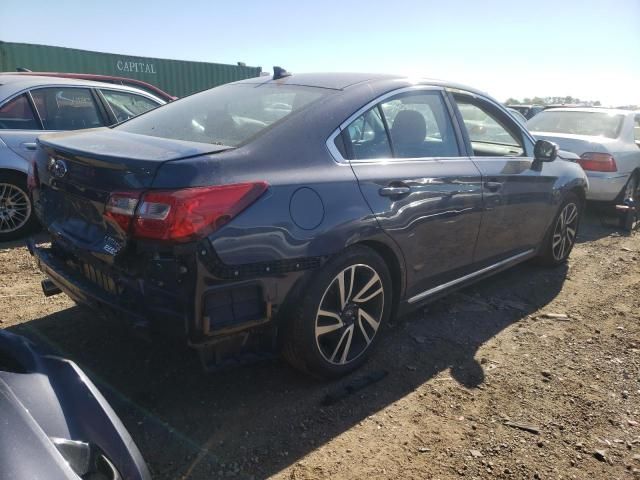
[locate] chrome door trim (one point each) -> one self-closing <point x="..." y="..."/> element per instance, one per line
<point x="444" y="286"/>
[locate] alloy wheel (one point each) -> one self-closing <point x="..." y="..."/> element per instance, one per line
<point x="564" y="233"/>
<point x="15" y="208"/>
<point x="349" y="314"/>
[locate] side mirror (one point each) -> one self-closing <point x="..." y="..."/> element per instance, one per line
<point x="545" y="151"/>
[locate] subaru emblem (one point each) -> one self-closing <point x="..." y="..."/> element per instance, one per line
<point x="58" y="167"/>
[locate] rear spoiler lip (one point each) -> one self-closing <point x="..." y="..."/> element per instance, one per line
<point x="115" y="162"/>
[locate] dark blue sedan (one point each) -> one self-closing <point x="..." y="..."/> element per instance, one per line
<point x="298" y="212"/>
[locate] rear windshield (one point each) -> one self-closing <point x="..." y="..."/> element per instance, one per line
<point x="229" y="115"/>
<point x="598" y="124"/>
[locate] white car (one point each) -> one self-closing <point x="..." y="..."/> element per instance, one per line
<point x="607" y="141"/>
<point x="33" y="105"/>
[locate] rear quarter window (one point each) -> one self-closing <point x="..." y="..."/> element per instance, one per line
<point x="17" y="114"/>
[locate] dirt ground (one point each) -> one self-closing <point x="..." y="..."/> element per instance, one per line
<point x="482" y="384"/>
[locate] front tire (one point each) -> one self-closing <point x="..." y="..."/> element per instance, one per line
<point x="337" y="319"/>
<point x="561" y="237"/>
<point x="16" y="212"/>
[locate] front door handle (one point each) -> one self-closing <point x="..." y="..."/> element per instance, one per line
<point x="30" y="145"/>
<point x="493" y="186"/>
<point x="394" y="191"/>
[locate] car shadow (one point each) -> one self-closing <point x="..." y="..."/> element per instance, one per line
<point x="39" y="237"/>
<point x="254" y="421"/>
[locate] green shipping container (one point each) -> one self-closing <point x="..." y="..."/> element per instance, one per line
<point x="177" y="77"/>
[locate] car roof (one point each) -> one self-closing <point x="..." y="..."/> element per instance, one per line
<point x="11" y="83"/>
<point x="342" y="81"/>
<point x="611" y="111"/>
<point x="111" y="79"/>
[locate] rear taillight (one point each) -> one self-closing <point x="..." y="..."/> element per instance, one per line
<point x="598" y="162"/>
<point x="121" y="208"/>
<point x="181" y="215"/>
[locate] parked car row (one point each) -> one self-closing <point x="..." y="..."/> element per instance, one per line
<point x="35" y="104"/>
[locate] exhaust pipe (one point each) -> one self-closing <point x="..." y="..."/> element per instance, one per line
<point x="49" y="288"/>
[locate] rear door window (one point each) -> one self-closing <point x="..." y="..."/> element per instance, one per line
<point x="127" y="105"/>
<point x="17" y="114"/>
<point x="490" y="132"/>
<point x="66" y="108"/>
<point x="420" y="126"/>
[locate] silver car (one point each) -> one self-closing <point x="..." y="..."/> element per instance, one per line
<point x="607" y="141"/>
<point x="31" y="106"/>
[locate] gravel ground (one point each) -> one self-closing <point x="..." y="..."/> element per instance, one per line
<point x="533" y="373"/>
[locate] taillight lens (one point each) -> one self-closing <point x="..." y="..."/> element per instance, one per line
<point x="181" y="215"/>
<point x="121" y="208"/>
<point x="598" y="162"/>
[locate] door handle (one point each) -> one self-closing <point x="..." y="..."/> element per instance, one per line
<point x="493" y="186"/>
<point x="30" y="145"/>
<point x="394" y="191"/>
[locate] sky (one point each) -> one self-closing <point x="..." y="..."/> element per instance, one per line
<point x="588" y="49"/>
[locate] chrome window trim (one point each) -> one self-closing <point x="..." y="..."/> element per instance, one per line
<point x="330" y="143"/>
<point x="469" y="276"/>
<point x="398" y="160"/>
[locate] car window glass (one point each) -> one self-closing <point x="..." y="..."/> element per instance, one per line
<point x="65" y="108"/>
<point x="367" y="137"/>
<point x="230" y="115"/>
<point x="420" y="126"/>
<point x="488" y="135"/>
<point x="596" y="124"/>
<point x="636" y="129"/>
<point x="17" y="114"/>
<point x="127" y="105"/>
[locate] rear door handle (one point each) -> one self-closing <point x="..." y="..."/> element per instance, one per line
<point x="394" y="191"/>
<point x="493" y="186"/>
<point x="30" y="145"/>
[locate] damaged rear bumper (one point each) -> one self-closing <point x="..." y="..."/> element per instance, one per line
<point x="204" y="306"/>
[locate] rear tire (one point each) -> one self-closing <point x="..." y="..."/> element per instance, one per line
<point x="335" y="322"/>
<point x="561" y="237"/>
<point x="16" y="212"/>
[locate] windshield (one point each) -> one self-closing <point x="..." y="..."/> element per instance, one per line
<point x="229" y="115"/>
<point x="598" y="124"/>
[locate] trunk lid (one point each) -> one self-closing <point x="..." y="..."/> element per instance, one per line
<point x="577" y="144"/>
<point x="77" y="172"/>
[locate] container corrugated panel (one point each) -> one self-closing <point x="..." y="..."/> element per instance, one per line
<point x="177" y="77"/>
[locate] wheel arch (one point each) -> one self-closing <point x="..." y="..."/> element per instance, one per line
<point x="396" y="269"/>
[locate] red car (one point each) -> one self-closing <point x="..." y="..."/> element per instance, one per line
<point x="131" y="82"/>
